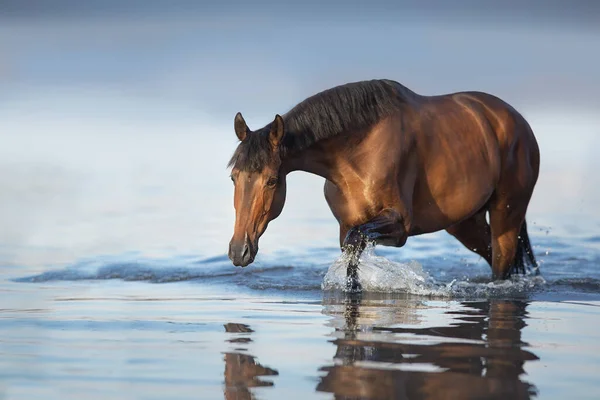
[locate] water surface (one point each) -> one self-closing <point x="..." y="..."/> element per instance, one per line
<point x="127" y="326"/>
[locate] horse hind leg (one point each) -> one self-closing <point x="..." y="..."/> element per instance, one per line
<point x="511" y="249"/>
<point x="475" y="234"/>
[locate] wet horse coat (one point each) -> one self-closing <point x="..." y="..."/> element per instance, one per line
<point x="396" y="164"/>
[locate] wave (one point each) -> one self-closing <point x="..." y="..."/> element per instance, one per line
<point x="377" y="274"/>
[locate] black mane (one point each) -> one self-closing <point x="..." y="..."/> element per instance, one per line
<point x="350" y="107"/>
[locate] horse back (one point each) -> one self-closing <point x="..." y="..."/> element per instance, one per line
<point x="467" y="144"/>
<point x="517" y="145"/>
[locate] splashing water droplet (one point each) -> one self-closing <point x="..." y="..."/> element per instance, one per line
<point x="378" y="274"/>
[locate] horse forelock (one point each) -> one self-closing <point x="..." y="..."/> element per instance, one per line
<point x="253" y="153"/>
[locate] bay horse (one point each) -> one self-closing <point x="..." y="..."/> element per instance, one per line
<point x="396" y="164"/>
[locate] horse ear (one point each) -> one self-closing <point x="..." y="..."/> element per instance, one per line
<point x="277" y="130"/>
<point x="241" y="129"/>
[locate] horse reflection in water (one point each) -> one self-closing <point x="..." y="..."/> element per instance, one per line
<point x="480" y="356"/>
<point x="242" y="371"/>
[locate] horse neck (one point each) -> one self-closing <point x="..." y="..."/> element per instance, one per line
<point x="322" y="159"/>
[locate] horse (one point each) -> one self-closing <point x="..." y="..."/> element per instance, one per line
<point x="396" y="164"/>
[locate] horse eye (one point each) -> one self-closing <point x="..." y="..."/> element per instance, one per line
<point x="232" y="179"/>
<point x="272" y="182"/>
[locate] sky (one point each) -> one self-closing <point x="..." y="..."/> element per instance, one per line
<point x="229" y="56"/>
<point x="102" y="102"/>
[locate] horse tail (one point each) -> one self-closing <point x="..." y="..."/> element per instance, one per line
<point x="524" y="258"/>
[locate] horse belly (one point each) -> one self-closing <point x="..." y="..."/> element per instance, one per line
<point x="452" y="198"/>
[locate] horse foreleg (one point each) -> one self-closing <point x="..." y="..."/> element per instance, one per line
<point x="386" y="229"/>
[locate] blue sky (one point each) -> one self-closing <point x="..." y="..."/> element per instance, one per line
<point x="266" y="57"/>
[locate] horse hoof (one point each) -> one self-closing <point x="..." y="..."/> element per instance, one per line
<point x="353" y="285"/>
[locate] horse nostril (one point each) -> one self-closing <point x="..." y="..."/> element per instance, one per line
<point x="245" y="250"/>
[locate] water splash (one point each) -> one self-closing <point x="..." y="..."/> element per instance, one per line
<point x="515" y="287"/>
<point x="378" y="274"/>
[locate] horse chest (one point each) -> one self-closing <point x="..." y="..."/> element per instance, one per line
<point x="357" y="204"/>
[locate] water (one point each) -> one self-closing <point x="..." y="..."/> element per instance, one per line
<point x="129" y="326"/>
<point x="185" y="328"/>
<point x="115" y="280"/>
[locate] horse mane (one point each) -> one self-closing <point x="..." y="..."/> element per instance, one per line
<point x="346" y="108"/>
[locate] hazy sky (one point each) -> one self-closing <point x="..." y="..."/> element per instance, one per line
<point x="266" y="56"/>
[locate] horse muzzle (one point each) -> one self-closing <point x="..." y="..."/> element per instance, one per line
<point x="242" y="252"/>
